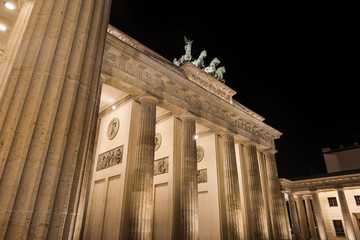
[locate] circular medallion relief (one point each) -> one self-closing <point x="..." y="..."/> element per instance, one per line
<point x="113" y="128"/>
<point x="158" y="140"/>
<point x="199" y="153"/>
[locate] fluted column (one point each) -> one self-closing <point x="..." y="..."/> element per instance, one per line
<point x="349" y="228"/>
<point x="302" y="217"/>
<point x="318" y="215"/>
<point x="278" y="213"/>
<point x="49" y="96"/>
<point x="141" y="215"/>
<point x="294" y="217"/>
<point x="310" y="217"/>
<point x="189" y="186"/>
<point x="258" y="224"/>
<point x="232" y="190"/>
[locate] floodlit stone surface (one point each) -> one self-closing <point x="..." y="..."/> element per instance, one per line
<point x="128" y="167"/>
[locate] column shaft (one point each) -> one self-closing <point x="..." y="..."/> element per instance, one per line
<point x="302" y="217"/>
<point x="232" y="190"/>
<point x="310" y="217"/>
<point x="49" y="99"/>
<point x="266" y="193"/>
<point x="278" y="212"/>
<point x="258" y="226"/>
<point x="141" y="215"/>
<point x="349" y="228"/>
<point x="294" y="217"/>
<point x="318" y="216"/>
<point x="189" y="186"/>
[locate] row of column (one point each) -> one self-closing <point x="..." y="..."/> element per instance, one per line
<point x="142" y="191"/>
<point x="306" y="218"/>
<point x="302" y="216"/>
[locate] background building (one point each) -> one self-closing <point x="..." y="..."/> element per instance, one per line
<point x="342" y="158"/>
<point x="327" y="206"/>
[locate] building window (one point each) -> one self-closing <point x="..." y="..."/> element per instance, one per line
<point x="357" y="200"/>
<point x="339" y="229"/>
<point x="332" y="202"/>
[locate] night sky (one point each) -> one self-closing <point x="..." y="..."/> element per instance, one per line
<point x="296" y="65"/>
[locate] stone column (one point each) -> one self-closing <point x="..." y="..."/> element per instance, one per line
<point x="232" y="190"/>
<point x="294" y="217"/>
<point x="349" y="228"/>
<point x="257" y="217"/>
<point x="318" y="215"/>
<point x="49" y="96"/>
<point x="278" y="213"/>
<point x="302" y="217"/>
<point x="266" y="193"/>
<point x="141" y="215"/>
<point x="189" y="185"/>
<point x="310" y="217"/>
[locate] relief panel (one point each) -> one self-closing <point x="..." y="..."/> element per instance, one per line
<point x="110" y="158"/>
<point x="161" y="166"/>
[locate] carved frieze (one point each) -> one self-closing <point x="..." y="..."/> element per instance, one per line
<point x="110" y="158"/>
<point x="111" y="59"/>
<point x="161" y="166"/>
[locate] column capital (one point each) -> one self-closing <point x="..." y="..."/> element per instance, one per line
<point x="248" y="143"/>
<point x="187" y="116"/>
<point x="307" y="196"/>
<point x="148" y="97"/>
<point x="298" y="195"/>
<point x="270" y="151"/>
<point x="226" y="134"/>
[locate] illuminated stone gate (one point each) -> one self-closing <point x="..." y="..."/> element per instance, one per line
<point x="212" y="173"/>
<point x="144" y="174"/>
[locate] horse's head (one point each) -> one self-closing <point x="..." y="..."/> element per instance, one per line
<point x="215" y="62"/>
<point x="221" y="69"/>
<point x="202" y="54"/>
<point x="187" y="43"/>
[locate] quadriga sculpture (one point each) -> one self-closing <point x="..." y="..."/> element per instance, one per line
<point x="212" y="67"/>
<point x="200" y="61"/>
<point x="219" y="74"/>
<point x="187" y="57"/>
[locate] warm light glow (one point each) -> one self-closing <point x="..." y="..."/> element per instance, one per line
<point x="114" y="107"/>
<point x="2" y="27"/>
<point x="196" y="137"/>
<point x="9" y="5"/>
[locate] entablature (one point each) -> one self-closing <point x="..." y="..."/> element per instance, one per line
<point x="323" y="183"/>
<point x="134" y="69"/>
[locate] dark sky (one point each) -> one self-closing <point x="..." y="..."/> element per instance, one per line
<point x="295" y="64"/>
